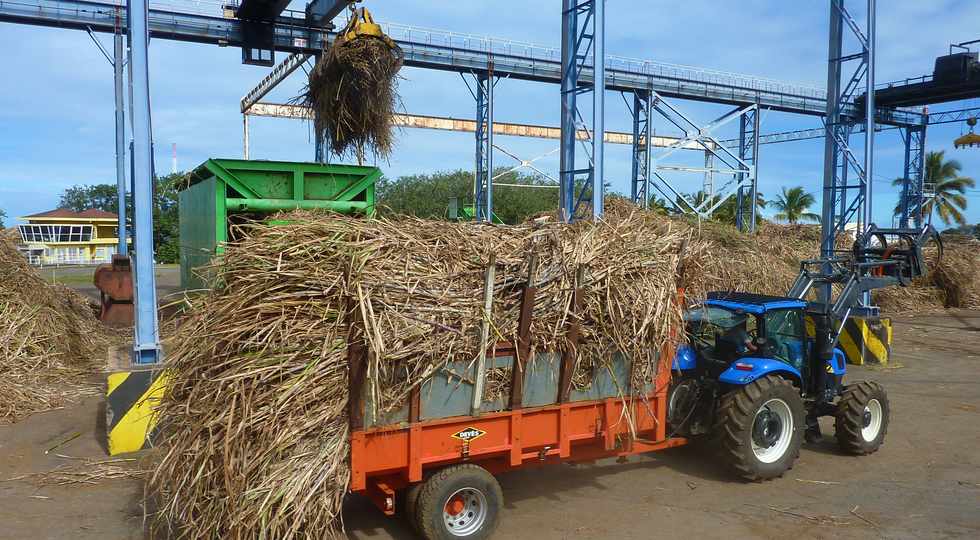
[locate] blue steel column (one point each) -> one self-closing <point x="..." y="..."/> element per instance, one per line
<point x="913" y="185"/>
<point x="869" y="122"/>
<point x="640" y="180"/>
<point x="756" y="122"/>
<point x="748" y="151"/>
<point x="580" y="40"/>
<point x="117" y="67"/>
<point x="838" y="157"/>
<point x="569" y="89"/>
<point x="740" y="194"/>
<point x="483" y="182"/>
<point x="828" y="216"/>
<point x="598" y="107"/>
<point x="918" y="171"/>
<point x="146" y="346"/>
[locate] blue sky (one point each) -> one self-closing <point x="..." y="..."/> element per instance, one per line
<point x="57" y="113"/>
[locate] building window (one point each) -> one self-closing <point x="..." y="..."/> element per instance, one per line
<point x="56" y="233"/>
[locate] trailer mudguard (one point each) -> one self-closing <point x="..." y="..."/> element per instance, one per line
<point x="684" y="359"/>
<point x="746" y="370"/>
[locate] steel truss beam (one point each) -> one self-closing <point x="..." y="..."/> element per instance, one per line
<point x="582" y="39"/>
<point x="844" y="201"/>
<point x="525" y="164"/>
<point x="930" y="119"/>
<point x="275" y="76"/>
<point x="468" y="125"/>
<point x="719" y="160"/>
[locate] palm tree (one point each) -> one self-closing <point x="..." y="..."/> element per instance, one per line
<point x="793" y="205"/>
<point x="948" y="186"/>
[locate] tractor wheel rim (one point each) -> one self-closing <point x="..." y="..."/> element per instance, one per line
<point x="679" y="399"/>
<point x="464" y="512"/>
<point x="772" y="430"/>
<point x="872" y="419"/>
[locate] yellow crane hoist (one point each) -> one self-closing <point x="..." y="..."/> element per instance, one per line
<point x="362" y="24"/>
<point x="970" y="139"/>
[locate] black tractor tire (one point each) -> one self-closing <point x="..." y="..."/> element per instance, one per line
<point x="759" y="413"/>
<point x="862" y="418"/>
<point x="473" y="489"/>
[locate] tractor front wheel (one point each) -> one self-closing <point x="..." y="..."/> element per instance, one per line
<point x="862" y="418"/>
<point x="760" y="428"/>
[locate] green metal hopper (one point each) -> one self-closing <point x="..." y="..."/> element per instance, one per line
<point x="220" y="189"/>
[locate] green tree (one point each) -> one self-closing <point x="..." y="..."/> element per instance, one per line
<point x="949" y="187"/>
<point x="99" y="196"/>
<point x="793" y="205"/>
<point x="166" y="220"/>
<point x="3" y="216"/>
<point x="166" y="230"/>
<point x="427" y="195"/>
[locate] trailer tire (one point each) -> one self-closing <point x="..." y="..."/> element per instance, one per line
<point x="759" y="428"/>
<point x="461" y="501"/>
<point x="411" y="504"/>
<point x="862" y="418"/>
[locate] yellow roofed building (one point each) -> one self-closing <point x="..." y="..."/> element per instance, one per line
<point x="65" y="237"/>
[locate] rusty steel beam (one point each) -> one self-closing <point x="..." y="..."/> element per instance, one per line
<point x="444" y="123"/>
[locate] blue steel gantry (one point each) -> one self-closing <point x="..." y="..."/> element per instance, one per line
<point x="580" y="67"/>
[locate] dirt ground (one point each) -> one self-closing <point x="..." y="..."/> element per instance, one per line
<point x="924" y="483"/>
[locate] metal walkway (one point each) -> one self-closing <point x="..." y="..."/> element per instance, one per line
<point x="447" y="51"/>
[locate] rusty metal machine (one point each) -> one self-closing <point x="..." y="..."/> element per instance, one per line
<point x="115" y="284"/>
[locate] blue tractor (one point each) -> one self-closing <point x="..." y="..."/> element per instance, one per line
<point x="758" y="371"/>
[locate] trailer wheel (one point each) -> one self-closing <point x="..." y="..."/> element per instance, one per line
<point x="461" y="501"/>
<point x="760" y="428"/>
<point x="411" y="503"/>
<point x="862" y="418"/>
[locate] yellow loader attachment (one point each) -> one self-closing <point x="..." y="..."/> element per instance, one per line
<point x="362" y="25"/>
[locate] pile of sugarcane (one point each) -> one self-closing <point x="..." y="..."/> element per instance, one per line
<point x="954" y="282"/>
<point x="49" y="338"/>
<point x="353" y="90"/>
<point x="255" y="418"/>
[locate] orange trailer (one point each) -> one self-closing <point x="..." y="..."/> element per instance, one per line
<point x="443" y="463"/>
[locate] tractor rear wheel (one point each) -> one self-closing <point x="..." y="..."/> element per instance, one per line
<point x="760" y="428"/>
<point x="862" y="418"/>
<point x="461" y="501"/>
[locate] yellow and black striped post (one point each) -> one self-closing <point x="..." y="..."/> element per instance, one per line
<point x="866" y="341"/>
<point x="131" y="401"/>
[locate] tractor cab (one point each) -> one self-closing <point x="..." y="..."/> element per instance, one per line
<point x="740" y="336"/>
